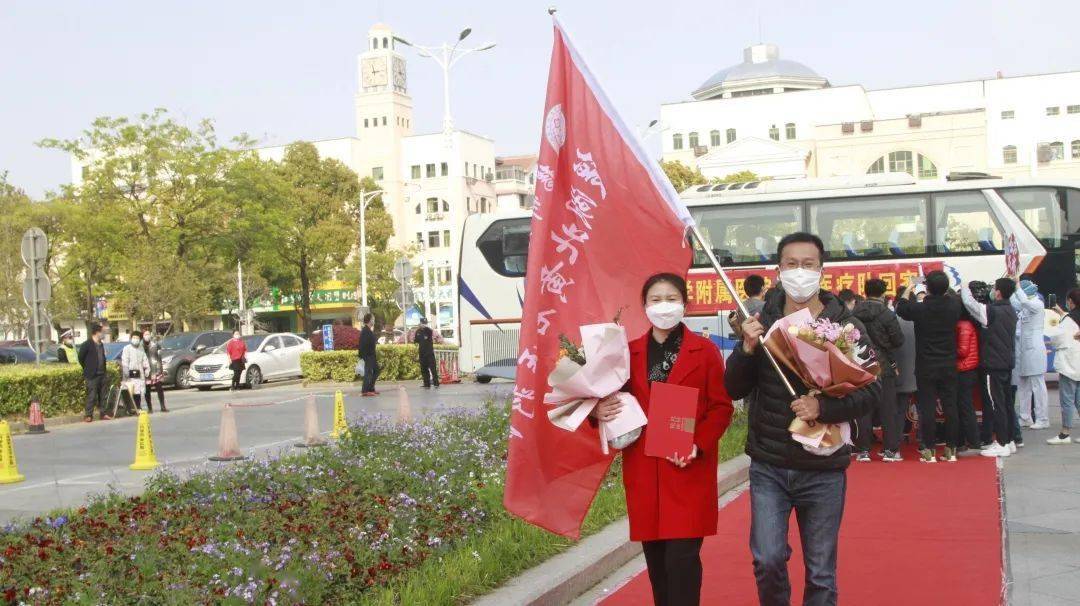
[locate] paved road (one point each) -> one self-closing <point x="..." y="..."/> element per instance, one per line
<point x="64" y="467"/>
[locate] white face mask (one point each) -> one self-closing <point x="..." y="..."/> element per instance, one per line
<point x="800" y="284"/>
<point x="665" y="315"/>
<point x="136" y="342"/>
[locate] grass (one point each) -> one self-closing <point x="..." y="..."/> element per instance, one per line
<point x="509" y="546"/>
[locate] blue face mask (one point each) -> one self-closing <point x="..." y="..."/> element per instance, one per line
<point x="1029" y="288"/>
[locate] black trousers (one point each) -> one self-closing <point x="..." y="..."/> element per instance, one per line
<point x="966" y="383"/>
<point x="888" y="412"/>
<point x="96" y="393"/>
<point x="160" y="396"/>
<point x="237" y="367"/>
<point x="371" y="374"/>
<point x="428" y="371"/>
<point x="674" y="571"/>
<point x="937" y="384"/>
<point x="997" y="406"/>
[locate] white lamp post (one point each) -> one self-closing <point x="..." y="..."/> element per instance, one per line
<point x="365" y="199"/>
<point x="446" y="56"/>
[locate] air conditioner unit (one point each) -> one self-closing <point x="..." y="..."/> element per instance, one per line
<point x="700" y="150"/>
<point x="914" y="121"/>
<point x="1044" y="153"/>
<point x="847" y="128"/>
<point x="866" y="126"/>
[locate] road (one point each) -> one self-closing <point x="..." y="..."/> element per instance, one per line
<point x="72" y="462"/>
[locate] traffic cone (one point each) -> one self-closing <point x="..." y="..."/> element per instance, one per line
<point x="144" y="445"/>
<point x="340" y="426"/>
<point x="37" y="420"/>
<point x="228" y="443"/>
<point x="311" y="425"/>
<point x="404" y="409"/>
<point x="9" y="471"/>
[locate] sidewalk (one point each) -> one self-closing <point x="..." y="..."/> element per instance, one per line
<point x="1042" y="508"/>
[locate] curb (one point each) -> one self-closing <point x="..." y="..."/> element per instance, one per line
<point x="568" y="575"/>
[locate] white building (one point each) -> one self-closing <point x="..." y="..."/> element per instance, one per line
<point x="779" y="118"/>
<point x="515" y="182"/>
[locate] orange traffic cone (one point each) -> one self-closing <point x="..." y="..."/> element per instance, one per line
<point x="228" y="443"/>
<point x="37" y="420"/>
<point x="404" y="409"/>
<point x="311" y="425"/>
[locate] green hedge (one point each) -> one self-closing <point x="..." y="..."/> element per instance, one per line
<point x="398" y="363"/>
<point x="59" y="386"/>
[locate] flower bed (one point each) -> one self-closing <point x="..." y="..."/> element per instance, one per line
<point x="391" y="515"/>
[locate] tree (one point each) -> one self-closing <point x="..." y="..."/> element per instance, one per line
<point x="682" y="176"/>
<point x="316" y="222"/>
<point x="743" y="176"/>
<point x="14" y="206"/>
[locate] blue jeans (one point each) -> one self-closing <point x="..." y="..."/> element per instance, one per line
<point x="1069" y="391"/>
<point x="818" y="500"/>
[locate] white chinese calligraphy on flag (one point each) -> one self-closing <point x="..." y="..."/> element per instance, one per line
<point x="606" y="218"/>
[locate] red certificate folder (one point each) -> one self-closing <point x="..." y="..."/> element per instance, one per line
<point x="672" y="415"/>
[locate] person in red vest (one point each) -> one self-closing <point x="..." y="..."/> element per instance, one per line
<point x="967" y="380"/>
<point x="237" y="350"/>
<point x="672" y="503"/>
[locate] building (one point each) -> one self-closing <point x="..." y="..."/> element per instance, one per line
<point x="515" y="182"/>
<point x="780" y="119"/>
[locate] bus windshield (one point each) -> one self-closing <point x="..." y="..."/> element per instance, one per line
<point x="1041" y="209"/>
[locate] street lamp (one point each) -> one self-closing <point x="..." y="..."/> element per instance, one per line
<point x="365" y="199"/>
<point x="446" y="56"/>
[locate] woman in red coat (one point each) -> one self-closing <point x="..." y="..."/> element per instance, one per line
<point x="672" y="502"/>
<point x="967" y="364"/>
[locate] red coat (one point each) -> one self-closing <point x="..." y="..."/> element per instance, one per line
<point x="967" y="346"/>
<point x="662" y="500"/>
<point x="236" y="349"/>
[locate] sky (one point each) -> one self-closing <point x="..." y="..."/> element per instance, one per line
<point x="286" y="70"/>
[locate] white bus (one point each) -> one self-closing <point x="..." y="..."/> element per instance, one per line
<point x="886" y="226"/>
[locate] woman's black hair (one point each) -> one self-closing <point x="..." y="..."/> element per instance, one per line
<point x="675" y="280"/>
<point x="1074" y="296"/>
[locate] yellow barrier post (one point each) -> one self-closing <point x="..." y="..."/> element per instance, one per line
<point x="9" y="470"/>
<point x="340" y="426"/>
<point x="145" y="458"/>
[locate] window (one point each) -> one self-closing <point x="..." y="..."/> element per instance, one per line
<point x="676" y="141"/>
<point x="869" y="227"/>
<point x="904" y="162"/>
<point x="900" y="162"/>
<point x="274" y="343"/>
<point x="789" y="130"/>
<point x="419" y="236"/>
<point x="377" y="173"/>
<point x="444" y="169"/>
<point x="415" y="171"/>
<point x="714" y="138"/>
<point x="505" y="246"/>
<point x="386" y="43"/>
<point x="433" y="205"/>
<point x="877" y="167"/>
<point x="774" y="133"/>
<point x="1008" y="154"/>
<point x="927" y="170"/>
<point x="1041" y="210"/>
<point x="290" y="341"/>
<point x="1008" y="114"/>
<point x="433" y="239"/>
<point x="419" y="207"/>
<point x="429" y="170"/>
<point x="1076" y="149"/>
<point x="746" y="233"/>
<point x="693" y="140"/>
<point x="730" y="135"/>
<point x="446" y="238"/>
<point x="964" y="223"/>
<point x="365" y="122"/>
<point x="445" y="206"/>
<point x="384" y="120"/>
<point x="1053" y="111"/>
<point x="1057" y="151"/>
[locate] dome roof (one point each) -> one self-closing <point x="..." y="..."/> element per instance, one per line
<point x="759" y="62"/>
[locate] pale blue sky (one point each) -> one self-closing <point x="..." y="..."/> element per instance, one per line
<point x="286" y="70"/>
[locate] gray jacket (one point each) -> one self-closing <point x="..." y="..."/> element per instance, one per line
<point x="905" y="358"/>
<point x="1030" y="348"/>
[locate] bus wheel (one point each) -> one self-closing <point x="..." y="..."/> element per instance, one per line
<point x="483" y="379"/>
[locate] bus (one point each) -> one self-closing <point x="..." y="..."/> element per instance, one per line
<point x="888" y="226"/>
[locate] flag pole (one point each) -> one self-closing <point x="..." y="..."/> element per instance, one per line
<point x="705" y="246"/>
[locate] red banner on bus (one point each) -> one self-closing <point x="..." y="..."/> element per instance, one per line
<point x="708" y="295"/>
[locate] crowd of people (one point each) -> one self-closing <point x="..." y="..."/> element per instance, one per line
<point x="944" y="349"/>
<point x="141" y="372"/>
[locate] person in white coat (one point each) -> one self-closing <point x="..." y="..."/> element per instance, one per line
<point x="134" y="368"/>
<point x="1031" y="355"/>
<point x="1065" y="339"/>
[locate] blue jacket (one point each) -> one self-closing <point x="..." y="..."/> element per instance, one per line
<point x="1030" y="347"/>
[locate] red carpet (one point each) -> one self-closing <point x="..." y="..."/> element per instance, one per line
<point x="912" y="534"/>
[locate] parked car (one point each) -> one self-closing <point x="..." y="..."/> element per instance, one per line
<point x="179" y="351"/>
<point x="269" y="357"/>
<point x="114" y="350"/>
<point x="22" y="354"/>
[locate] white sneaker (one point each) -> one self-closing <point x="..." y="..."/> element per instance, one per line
<point x="995" y="450"/>
<point x="1061" y="438"/>
<point x="1024" y="423"/>
<point x="1012" y="447"/>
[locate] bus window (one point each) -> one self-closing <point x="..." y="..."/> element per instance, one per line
<point x="882" y="226"/>
<point x="965" y="224"/>
<point x="1041" y="209"/>
<point x="505" y="246"/>
<point x="746" y="233"/>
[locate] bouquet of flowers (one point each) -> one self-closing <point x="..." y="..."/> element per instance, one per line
<point x="828" y="359"/>
<point x="584" y="375"/>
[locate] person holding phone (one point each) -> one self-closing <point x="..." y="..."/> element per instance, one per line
<point x="672" y="502"/>
<point x="1063" y="338"/>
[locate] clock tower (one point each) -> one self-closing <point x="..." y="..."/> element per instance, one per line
<point x="383" y="114"/>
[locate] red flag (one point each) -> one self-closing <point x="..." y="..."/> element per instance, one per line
<point x="606" y="218"/>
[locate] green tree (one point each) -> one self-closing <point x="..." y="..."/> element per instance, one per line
<point x="14" y="206"/>
<point x="743" y="176"/>
<point x="682" y="176"/>
<point x="318" y="230"/>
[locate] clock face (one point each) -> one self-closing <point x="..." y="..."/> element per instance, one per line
<point x="399" y="73"/>
<point x="374" y="72"/>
